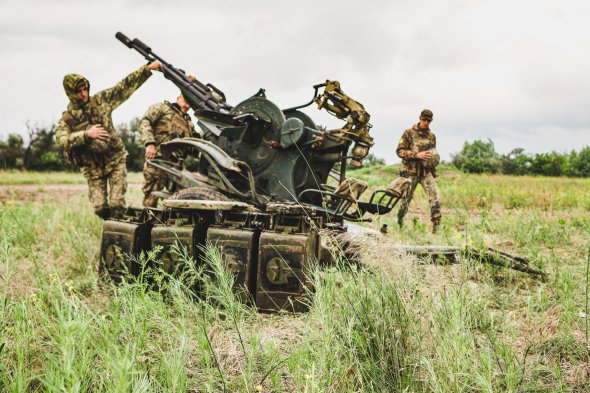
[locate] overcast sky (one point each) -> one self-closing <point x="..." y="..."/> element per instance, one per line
<point x="514" y="71"/>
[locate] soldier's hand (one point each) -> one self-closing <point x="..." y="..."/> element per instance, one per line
<point x="155" y="66"/>
<point x="150" y="152"/>
<point x="97" y="132"/>
<point x="424" y="155"/>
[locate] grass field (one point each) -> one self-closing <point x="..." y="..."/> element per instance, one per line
<point x="397" y="324"/>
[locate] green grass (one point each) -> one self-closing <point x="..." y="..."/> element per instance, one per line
<point x="396" y="324"/>
<point x="14" y="177"/>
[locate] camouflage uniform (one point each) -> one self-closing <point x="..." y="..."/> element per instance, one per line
<point x="101" y="162"/>
<point x="161" y="123"/>
<point x="413" y="141"/>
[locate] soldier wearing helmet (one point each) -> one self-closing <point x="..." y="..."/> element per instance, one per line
<point x="90" y="142"/>
<point x="417" y="149"/>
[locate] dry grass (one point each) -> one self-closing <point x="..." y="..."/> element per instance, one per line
<point x="466" y="327"/>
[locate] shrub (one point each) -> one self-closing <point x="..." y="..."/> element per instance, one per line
<point x="478" y="157"/>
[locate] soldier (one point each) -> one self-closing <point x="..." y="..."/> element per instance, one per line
<point x="161" y="123"/>
<point x="417" y="149"/>
<point x="90" y="142"/>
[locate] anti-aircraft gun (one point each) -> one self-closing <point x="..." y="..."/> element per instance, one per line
<point x="260" y="193"/>
<point x="280" y="153"/>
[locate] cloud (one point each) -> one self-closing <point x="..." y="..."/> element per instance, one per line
<point x="513" y="72"/>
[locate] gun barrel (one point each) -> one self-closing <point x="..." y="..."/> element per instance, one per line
<point x="124" y="39"/>
<point x="197" y="94"/>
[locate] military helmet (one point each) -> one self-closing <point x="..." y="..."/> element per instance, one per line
<point x="426" y="114"/>
<point x="434" y="159"/>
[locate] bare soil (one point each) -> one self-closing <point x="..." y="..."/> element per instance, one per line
<point x="42" y="193"/>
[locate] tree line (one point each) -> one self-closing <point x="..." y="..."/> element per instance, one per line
<point x="481" y="157"/>
<point x="41" y="153"/>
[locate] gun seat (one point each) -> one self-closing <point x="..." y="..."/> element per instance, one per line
<point x="335" y="205"/>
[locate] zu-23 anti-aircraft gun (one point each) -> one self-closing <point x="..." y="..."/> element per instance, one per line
<point x="260" y="193"/>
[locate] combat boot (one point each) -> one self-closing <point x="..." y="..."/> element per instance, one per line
<point x="104" y="213"/>
<point x="435" y="225"/>
<point x="118" y="212"/>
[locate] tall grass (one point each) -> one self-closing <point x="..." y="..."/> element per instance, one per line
<point x="392" y="324"/>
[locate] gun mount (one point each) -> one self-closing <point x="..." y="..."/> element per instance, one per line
<point x="285" y="150"/>
<point x="260" y="193"/>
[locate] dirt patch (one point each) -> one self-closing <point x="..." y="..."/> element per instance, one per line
<point x="42" y="193"/>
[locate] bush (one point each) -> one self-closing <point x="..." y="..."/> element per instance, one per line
<point x="548" y="164"/>
<point x="11" y="152"/>
<point x="42" y="153"/>
<point x="481" y="157"/>
<point x="478" y="157"/>
<point x="129" y="133"/>
<point x="579" y="163"/>
<point x="515" y="162"/>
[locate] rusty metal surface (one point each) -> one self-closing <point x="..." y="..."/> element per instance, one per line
<point x="120" y="241"/>
<point x="290" y="208"/>
<point x="207" y="205"/>
<point x="166" y="236"/>
<point x="284" y="279"/>
<point x="237" y="248"/>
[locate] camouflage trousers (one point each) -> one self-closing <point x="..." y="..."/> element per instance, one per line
<point x="109" y="204"/>
<point x="153" y="180"/>
<point x="429" y="185"/>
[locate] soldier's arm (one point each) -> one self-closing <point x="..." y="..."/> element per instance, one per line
<point x="119" y="93"/>
<point x="149" y="121"/>
<point x="404" y="148"/>
<point x="433" y="141"/>
<point x="67" y="139"/>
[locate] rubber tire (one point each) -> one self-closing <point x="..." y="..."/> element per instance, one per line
<point x="200" y="193"/>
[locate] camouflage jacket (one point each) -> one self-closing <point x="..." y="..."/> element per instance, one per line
<point x="163" y="122"/>
<point x="413" y="141"/>
<point x="96" y="158"/>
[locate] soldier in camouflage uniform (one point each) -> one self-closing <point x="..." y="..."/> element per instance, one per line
<point x="417" y="149"/>
<point x="90" y="142"/>
<point x="161" y="123"/>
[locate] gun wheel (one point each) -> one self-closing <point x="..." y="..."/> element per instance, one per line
<point x="199" y="193"/>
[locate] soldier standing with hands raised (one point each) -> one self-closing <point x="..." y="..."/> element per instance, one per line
<point x="90" y="142"/>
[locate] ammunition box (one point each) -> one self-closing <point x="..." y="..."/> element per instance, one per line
<point x="285" y="263"/>
<point x="182" y="232"/>
<point x="121" y="241"/>
<point x="238" y="252"/>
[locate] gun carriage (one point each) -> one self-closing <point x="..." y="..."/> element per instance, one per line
<point x="260" y="193"/>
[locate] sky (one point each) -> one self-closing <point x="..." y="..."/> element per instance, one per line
<point x="513" y="71"/>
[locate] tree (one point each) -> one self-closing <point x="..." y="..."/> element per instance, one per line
<point x="372" y="159"/>
<point x="11" y="152"/>
<point x="478" y="157"/>
<point x="515" y="162"/>
<point x="548" y="164"/>
<point x="579" y="163"/>
<point x="42" y="154"/>
<point x="129" y="133"/>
